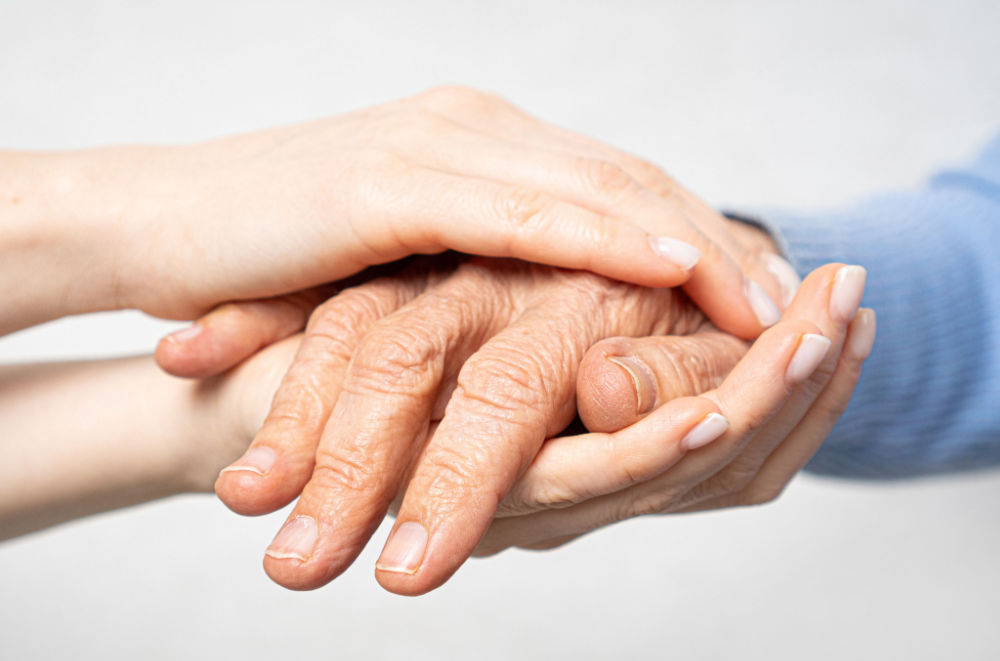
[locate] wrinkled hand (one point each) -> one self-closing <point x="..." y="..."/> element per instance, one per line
<point x="781" y="400"/>
<point x="394" y="378"/>
<point x="490" y="350"/>
<point x="579" y="482"/>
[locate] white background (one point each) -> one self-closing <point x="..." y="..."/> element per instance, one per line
<point x="776" y="103"/>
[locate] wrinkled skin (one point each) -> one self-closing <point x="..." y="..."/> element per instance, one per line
<point x="447" y="385"/>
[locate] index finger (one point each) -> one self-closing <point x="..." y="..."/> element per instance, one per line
<point x="511" y="396"/>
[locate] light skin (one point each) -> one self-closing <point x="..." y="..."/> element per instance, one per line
<point x="469" y="373"/>
<point x="175" y="231"/>
<point x="432" y="381"/>
<point x="176" y="433"/>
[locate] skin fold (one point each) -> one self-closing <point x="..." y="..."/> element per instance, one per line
<point x="505" y="371"/>
<point x="438" y="389"/>
<point x="179" y="432"/>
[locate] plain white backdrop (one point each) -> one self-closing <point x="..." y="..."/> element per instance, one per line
<point x="801" y="105"/>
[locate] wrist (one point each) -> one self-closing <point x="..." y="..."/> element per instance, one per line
<point x="67" y="217"/>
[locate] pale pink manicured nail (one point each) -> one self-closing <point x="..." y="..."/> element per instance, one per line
<point x="848" y="288"/>
<point x="255" y="460"/>
<point x="711" y="427"/>
<point x="762" y="305"/>
<point x="642" y="380"/>
<point x="786" y="276"/>
<point x="404" y="551"/>
<point x="862" y="337"/>
<point x="296" y="539"/>
<point x="682" y="254"/>
<point x="185" y="334"/>
<point x="812" y="349"/>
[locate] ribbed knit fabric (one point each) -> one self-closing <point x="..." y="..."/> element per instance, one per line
<point x="929" y="397"/>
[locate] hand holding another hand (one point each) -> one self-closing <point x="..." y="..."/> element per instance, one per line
<point x="452" y="395"/>
<point x="277" y="211"/>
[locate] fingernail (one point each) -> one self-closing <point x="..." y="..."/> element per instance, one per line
<point x="710" y="428"/>
<point x="848" y="289"/>
<point x="862" y="336"/>
<point x="296" y="539"/>
<point x="786" y="276"/>
<point x="185" y="334"/>
<point x="682" y="254"/>
<point x="642" y="380"/>
<point x="404" y="551"/>
<point x="255" y="460"/>
<point x="762" y="305"/>
<point x="808" y="356"/>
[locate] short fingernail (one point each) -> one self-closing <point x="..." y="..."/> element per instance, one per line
<point x="255" y="460"/>
<point x="642" y="380"/>
<point x="296" y="539"/>
<point x="862" y="337"/>
<point x="786" y="276"/>
<point x="404" y="551"/>
<point x="762" y="305"/>
<point x="711" y="427"/>
<point x="848" y="289"/>
<point x="682" y="254"/>
<point x="812" y="349"/>
<point x="185" y="334"/>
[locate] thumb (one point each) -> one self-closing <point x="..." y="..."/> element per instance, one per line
<point x="233" y="332"/>
<point x="622" y="379"/>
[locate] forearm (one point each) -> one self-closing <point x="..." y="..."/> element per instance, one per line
<point x="64" y="218"/>
<point x="80" y="438"/>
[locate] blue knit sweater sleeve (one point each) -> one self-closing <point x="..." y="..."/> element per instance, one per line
<point x="929" y="397"/>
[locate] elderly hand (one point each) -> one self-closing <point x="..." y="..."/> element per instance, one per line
<point x="388" y="381"/>
<point x="490" y="350"/>
<point x="579" y="483"/>
<point x="779" y="415"/>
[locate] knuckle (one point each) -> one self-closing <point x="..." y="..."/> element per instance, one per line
<point x="447" y="98"/>
<point x="512" y="383"/>
<point x="323" y="347"/>
<point x="552" y="494"/>
<point x="586" y="288"/>
<point x="335" y="469"/>
<point x="397" y="359"/>
<point x="679" y="369"/>
<point x="523" y="207"/>
<point x="648" y="502"/>
<point x="630" y="473"/>
<point x="729" y="483"/>
<point x="244" y="313"/>
<point x="732" y="480"/>
<point x="602" y="230"/>
<point x="449" y="468"/>
<point x="347" y="312"/>
<point x="299" y="401"/>
<point x="450" y="477"/>
<point x="335" y="326"/>
<point x="762" y="494"/>
<point x="814" y="386"/>
<point x="660" y="182"/>
<point x="603" y="177"/>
